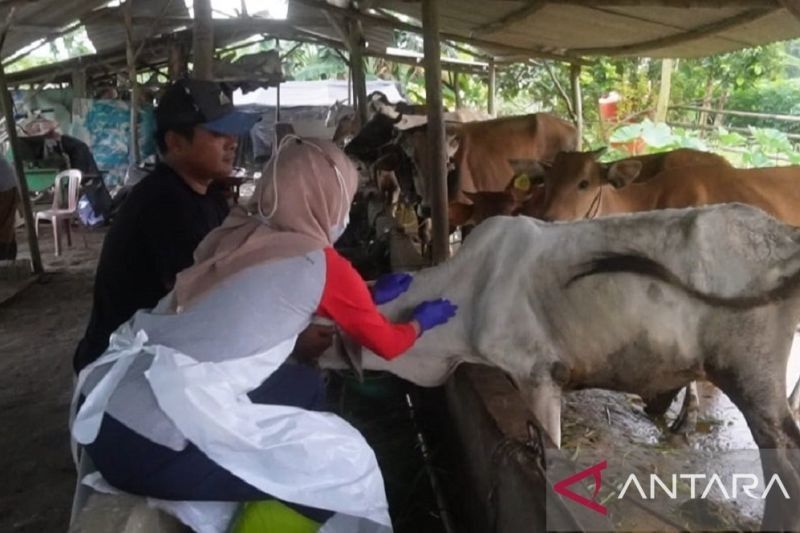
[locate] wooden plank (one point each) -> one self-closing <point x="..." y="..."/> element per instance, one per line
<point x="706" y="30"/>
<point x="509" y="19"/>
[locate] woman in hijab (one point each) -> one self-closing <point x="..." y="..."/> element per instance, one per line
<point x="176" y="411"/>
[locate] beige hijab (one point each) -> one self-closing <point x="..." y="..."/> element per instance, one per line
<point x="305" y="190"/>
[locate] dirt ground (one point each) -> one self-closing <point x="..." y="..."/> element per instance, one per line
<point x="39" y="329"/>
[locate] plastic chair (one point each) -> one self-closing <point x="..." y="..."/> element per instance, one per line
<point x="64" y="210"/>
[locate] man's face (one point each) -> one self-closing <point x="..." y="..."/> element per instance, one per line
<point x="207" y="154"/>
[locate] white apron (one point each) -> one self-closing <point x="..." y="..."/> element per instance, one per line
<point x="310" y="458"/>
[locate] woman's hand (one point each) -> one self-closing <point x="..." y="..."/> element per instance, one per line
<point x="390" y="286"/>
<point x="433" y="313"/>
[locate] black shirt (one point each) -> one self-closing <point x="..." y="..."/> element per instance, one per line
<point x="151" y="239"/>
<point x="80" y="156"/>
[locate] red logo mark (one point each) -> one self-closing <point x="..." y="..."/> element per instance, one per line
<point x="594" y="471"/>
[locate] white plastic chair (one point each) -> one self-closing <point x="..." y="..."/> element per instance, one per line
<point x="64" y="210"/>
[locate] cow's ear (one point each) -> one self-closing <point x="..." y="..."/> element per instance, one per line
<point x="623" y="173"/>
<point x="598" y="153"/>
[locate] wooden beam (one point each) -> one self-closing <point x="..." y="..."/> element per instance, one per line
<point x="440" y="244"/>
<point x="203" y="42"/>
<point x="518" y="15"/>
<point x="671" y="40"/>
<point x="792" y="6"/>
<point x="383" y="22"/>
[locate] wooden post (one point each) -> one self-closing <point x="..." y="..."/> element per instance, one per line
<point x="79" y="83"/>
<point x="203" y="42"/>
<point x="492" y="87"/>
<point x="436" y="131"/>
<point x="22" y="182"/>
<point x="278" y="89"/>
<point x="176" y="61"/>
<point x="357" y="68"/>
<point x="455" y="90"/>
<point x="663" y="92"/>
<point x="130" y="55"/>
<point x="577" y="100"/>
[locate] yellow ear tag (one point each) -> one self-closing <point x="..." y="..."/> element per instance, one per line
<point x="522" y="182"/>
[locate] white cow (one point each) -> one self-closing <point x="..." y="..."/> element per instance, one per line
<point x="641" y="303"/>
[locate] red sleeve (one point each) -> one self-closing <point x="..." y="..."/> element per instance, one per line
<point x="347" y="301"/>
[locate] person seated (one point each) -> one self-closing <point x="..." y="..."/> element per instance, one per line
<point x="196" y="400"/>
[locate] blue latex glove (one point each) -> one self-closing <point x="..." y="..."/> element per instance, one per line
<point x="390" y="286"/>
<point x="434" y="313"/>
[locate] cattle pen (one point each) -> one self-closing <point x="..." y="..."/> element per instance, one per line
<point x="470" y="455"/>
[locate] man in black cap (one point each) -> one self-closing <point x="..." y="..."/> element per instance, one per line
<point x="169" y="212"/>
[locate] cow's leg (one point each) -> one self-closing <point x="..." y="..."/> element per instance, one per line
<point x="658" y="405"/>
<point x="544" y="400"/>
<point x="760" y="394"/>
<point x="686" y="421"/>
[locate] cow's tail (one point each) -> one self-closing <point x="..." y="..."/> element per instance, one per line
<point x="634" y="263"/>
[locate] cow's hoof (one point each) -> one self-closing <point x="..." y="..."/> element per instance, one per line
<point x="686" y="422"/>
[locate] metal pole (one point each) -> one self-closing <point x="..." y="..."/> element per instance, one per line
<point x="577" y="100"/>
<point x="492" y="87"/>
<point x="203" y="43"/>
<point x="436" y="132"/>
<point x="22" y="182"/>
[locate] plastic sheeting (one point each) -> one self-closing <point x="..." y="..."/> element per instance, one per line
<point x="311" y="458"/>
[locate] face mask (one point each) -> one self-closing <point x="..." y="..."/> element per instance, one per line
<point x="337" y="230"/>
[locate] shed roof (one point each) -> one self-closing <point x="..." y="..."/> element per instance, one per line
<point x="506" y="30"/>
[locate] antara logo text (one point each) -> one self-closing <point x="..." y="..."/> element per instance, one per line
<point x="700" y="486"/>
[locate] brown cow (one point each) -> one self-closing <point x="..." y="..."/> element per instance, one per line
<point x="527" y="198"/>
<point x="481" y="151"/>
<point x="574" y="188"/>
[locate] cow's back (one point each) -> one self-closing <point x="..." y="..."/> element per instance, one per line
<point x="775" y="190"/>
<point x="485" y="148"/>
<point x="653" y="164"/>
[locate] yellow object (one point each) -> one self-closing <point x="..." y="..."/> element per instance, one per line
<point x="271" y="516"/>
<point x="522" y="182"/>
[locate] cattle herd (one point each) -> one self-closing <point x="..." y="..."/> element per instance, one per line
<point x="698" y="279"/>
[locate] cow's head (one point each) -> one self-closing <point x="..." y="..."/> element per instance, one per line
<point x="376" y="133"/>
<point x="575" y="182"/>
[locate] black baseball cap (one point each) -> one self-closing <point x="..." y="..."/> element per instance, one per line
<point x="203" y="103"/>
